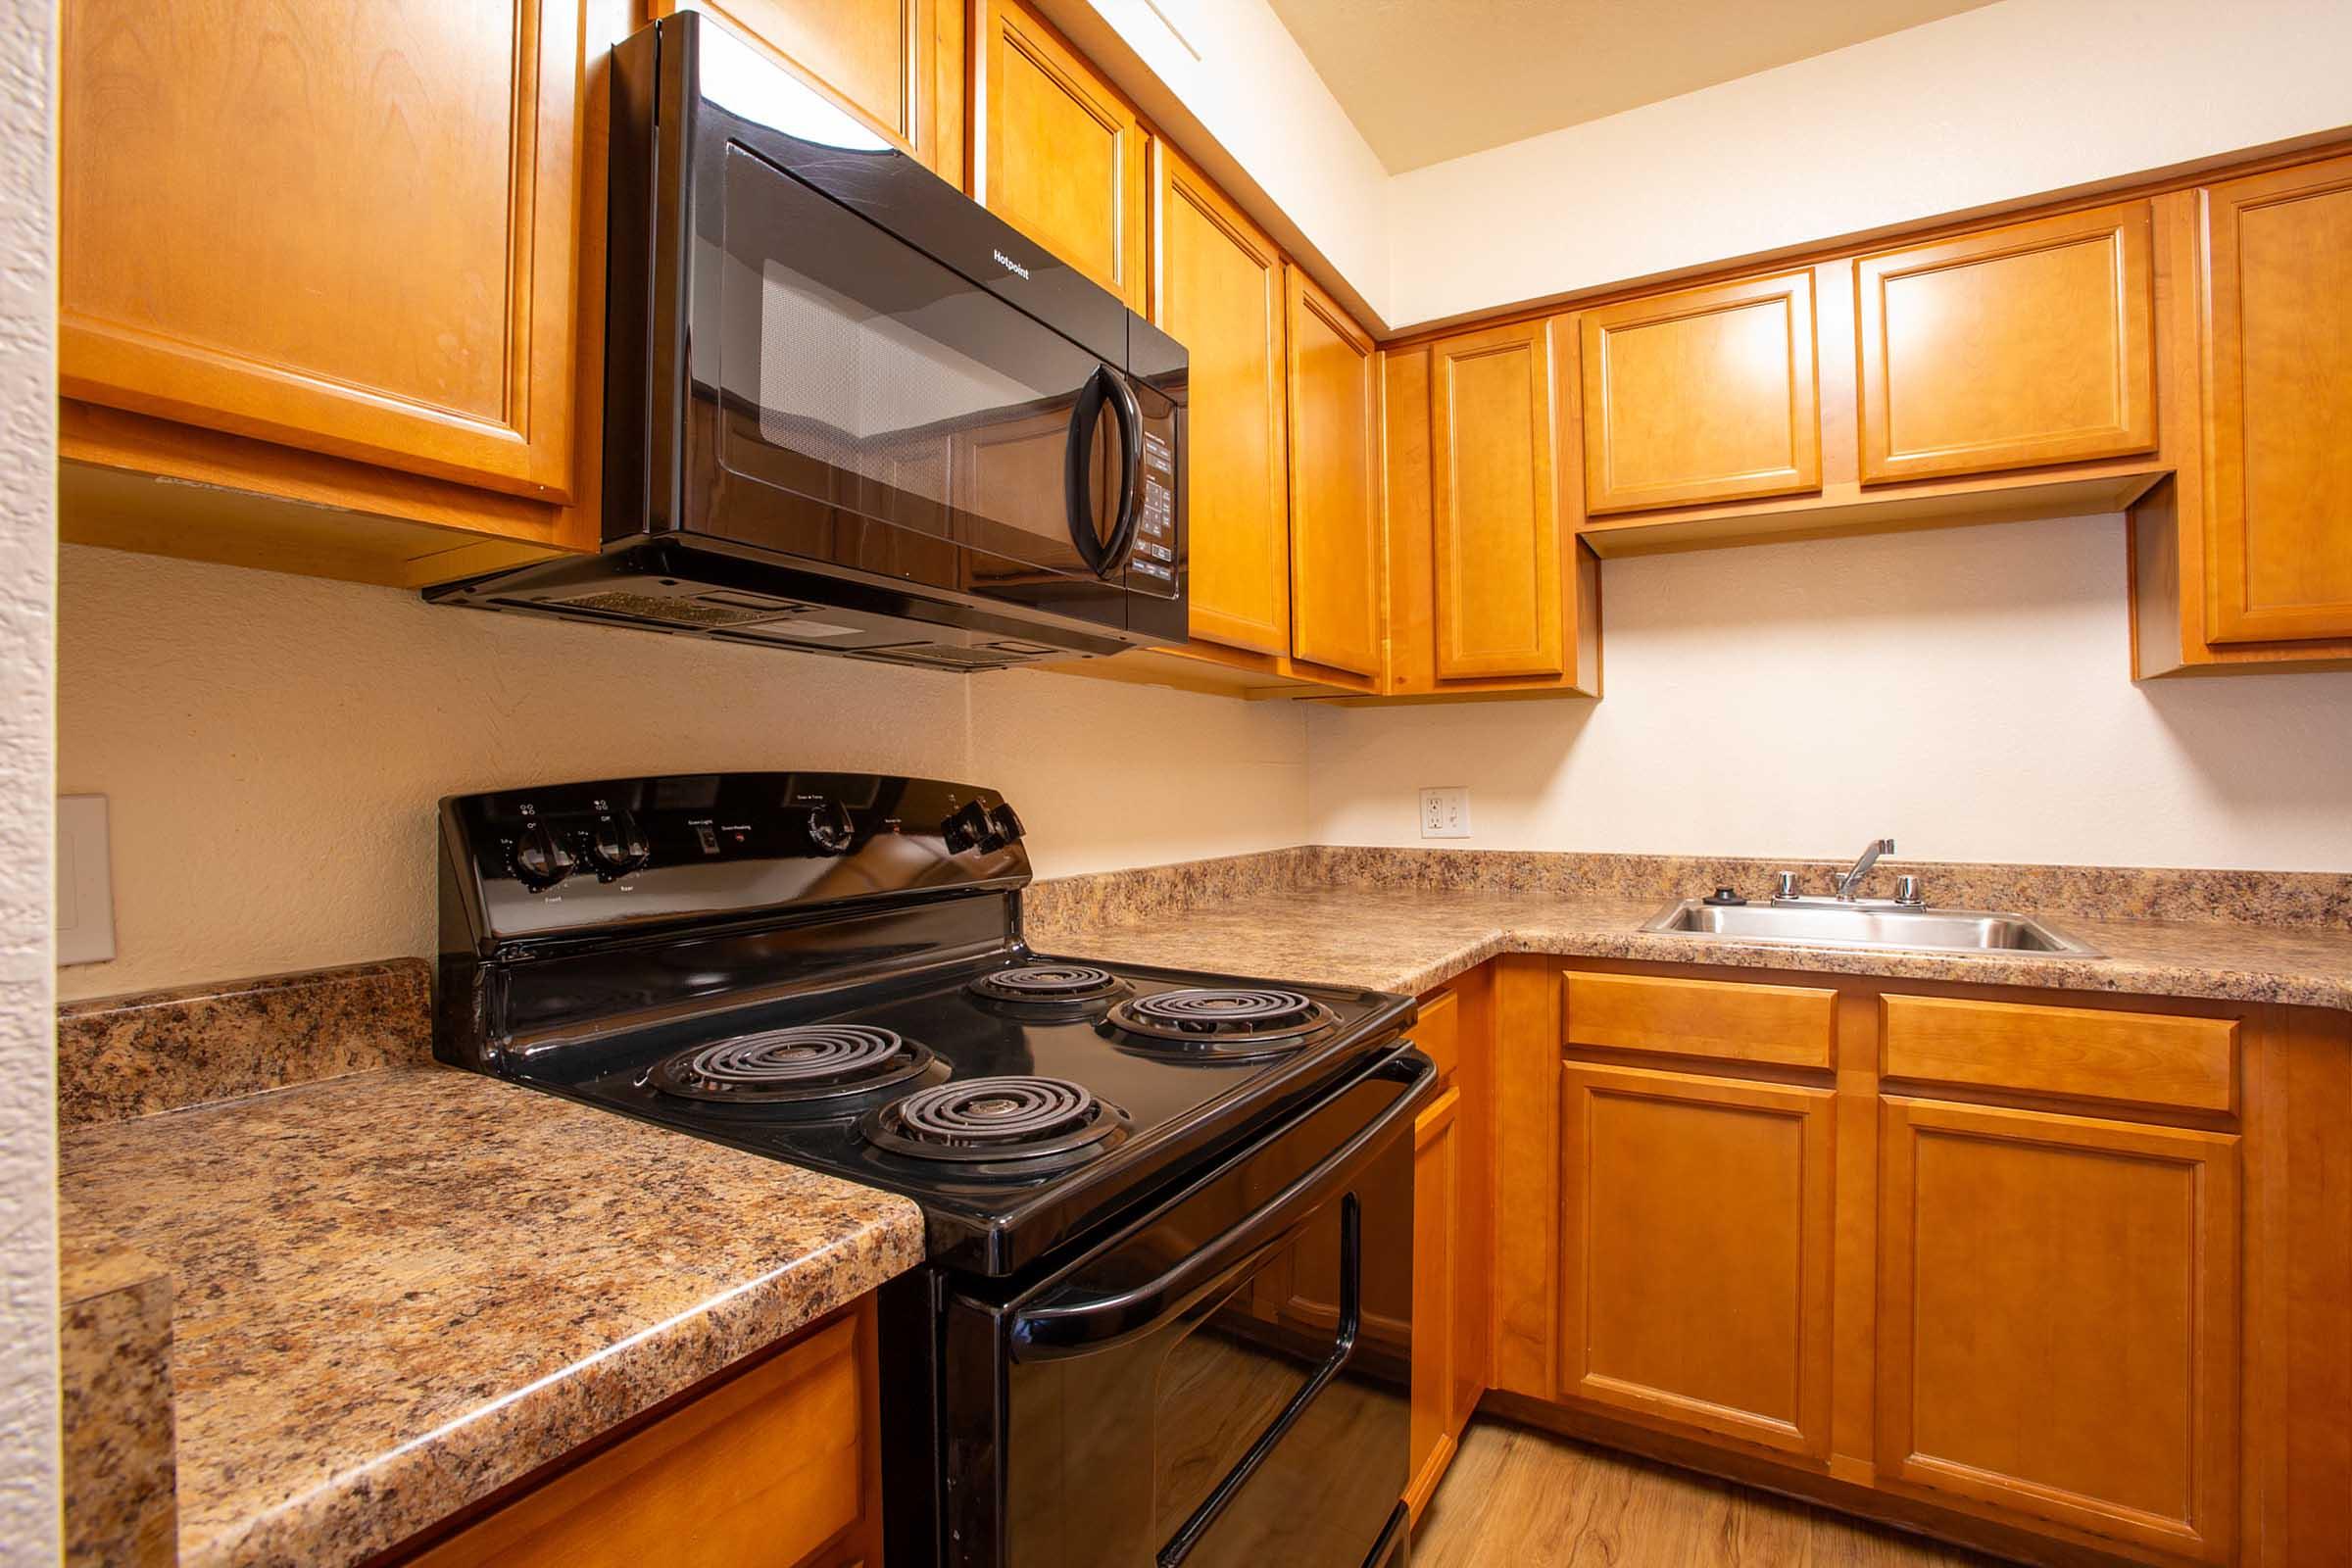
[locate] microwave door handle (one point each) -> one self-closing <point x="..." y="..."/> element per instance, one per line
<point x="1078" y="472"/>
<point x="1130" y="415"/>
<point x="1054" y="1332"/>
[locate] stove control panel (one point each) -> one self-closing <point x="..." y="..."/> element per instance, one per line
<point x="580" y="858"/>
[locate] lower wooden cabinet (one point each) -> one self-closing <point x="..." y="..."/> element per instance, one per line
<point x="1695" y="1252"/>
<point x="2058" y="1319"/>
<point x="774" y="1468"/>
<point x="1437" y="1202"/>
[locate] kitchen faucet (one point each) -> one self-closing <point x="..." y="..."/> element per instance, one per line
<point x="1852" y="879"/>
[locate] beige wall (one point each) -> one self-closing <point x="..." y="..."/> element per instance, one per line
<point x="28" y="1465"/>
<point x="1964" y="690"/>
<point x="273" y="747"/>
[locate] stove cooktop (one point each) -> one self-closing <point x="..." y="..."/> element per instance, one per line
<point x="1021" y="1101"/>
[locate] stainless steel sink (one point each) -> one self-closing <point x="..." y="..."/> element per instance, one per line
<point x="1866" y="923"/>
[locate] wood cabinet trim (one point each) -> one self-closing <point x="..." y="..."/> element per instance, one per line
<point x="1786" y="1026"/>
<point x="2127" y="228"/>
<point x="1808" y="1431"/>
<point x="2207" y="1532"/>
<point x="2098" y="1054"/>
<point x="1597" y="327"/>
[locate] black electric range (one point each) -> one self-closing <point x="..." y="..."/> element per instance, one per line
<point x="1168" y="1280"/>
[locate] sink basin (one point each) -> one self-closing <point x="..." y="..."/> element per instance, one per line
<point x="1866" y="923"/>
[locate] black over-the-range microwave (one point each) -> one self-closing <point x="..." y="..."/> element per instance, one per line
<point x="849" y="409"/>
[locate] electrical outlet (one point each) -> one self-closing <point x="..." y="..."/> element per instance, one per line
<point x="85" y="895"/>
<point x="1446" y="812"/>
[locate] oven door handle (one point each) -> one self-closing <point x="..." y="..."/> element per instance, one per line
<point x="1054" y="1332"/>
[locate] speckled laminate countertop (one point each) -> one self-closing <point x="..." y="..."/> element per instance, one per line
<point x="1411" y="939"/>
<point x="395" y="1291"/>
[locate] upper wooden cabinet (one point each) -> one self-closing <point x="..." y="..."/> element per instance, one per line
<point x="1217" y="288"/>
<point x="1696" y="1245"/>
<point x="1059" y="153"/>
<point x="354" y="232"/>
<point x="2008" y="349"/>
<point x="1496" y="514"/>
<point x="1334" y="484"/>
<point x="1703" y="395"/>
<point x="2279" y="350"/>
<point x="2058" y="1320"/>
<point x="884" y="61"/>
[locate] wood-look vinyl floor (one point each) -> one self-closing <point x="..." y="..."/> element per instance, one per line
<point x="1527" y="1500"/>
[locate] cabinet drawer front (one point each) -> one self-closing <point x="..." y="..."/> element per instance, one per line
<point x="2279" y="350"/>
<point x="2146" y="1058"/>
<point x="2057" y="1320"/>
<point x="762" y="1471"/>
<point x="1696" y="1241"/>
<point x="2009" y="349"/>
<point x="1439" y="1033"/>
<point x="1706" y="395"/>
<point x="1787" y="1026"/>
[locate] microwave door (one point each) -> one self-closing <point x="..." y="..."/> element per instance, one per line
<point x="871" y="394"/>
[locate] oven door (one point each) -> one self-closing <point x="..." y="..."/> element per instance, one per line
<point x="1227" y="1381"/>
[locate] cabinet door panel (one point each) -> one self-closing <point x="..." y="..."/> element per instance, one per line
<point x="1437" y="1194"/>
<point x="2279" y="349"/>
<point x="2021" y="346"/>
<point x="1706" y="395"/>
<point x="1217" y="290"/>
<point x="1063" y="155"/>
<point x="872" y="55"/>
<point x="2057" y="1329"/>
<point x="1334" y="484"/>
<point x="1695" y="1252"/>
<point x="1494" y="512"/>
<point x="358" y="238"/>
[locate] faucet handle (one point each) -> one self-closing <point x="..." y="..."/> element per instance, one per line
<point x="1786" y="888"/>
<point x="1906" y="891"/>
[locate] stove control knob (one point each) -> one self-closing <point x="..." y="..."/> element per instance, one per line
<point x="541" y="859"/>
<point x="831" y="828"/>
<point x="1003" y="828"/>
<point x="966" y="828"/>
<point x="618" y="846"/>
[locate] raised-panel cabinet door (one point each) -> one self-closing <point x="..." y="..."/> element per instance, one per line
<point x="1494" y="512"/>
<point x="1695" y="1252"/>
<point x="1061" y="154"/>
<point x="1334" y="484"/>
<point x="1217" y="289"/>
<point x="874" y="57"/>
<point x="1436" y="1191"/>
<point x="2279" y="350"/>
<point x="1705" y="395"/>
<point x="2057" y="1319"/>
<point x="352" y="229"/>
<point x="2008" y="349"/>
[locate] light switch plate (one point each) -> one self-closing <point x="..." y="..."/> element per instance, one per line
<point x="85" y="886"/>
<point x="1446" y="812"/>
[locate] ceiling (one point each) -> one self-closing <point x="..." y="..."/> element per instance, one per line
<point x="1426" y="80"/>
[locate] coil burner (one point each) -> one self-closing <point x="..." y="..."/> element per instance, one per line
<point x="1218" y="1023"/>
<point x="1048" y="985"/>
<point x="985" y="1121"/>
<point x="795" y="1068"/>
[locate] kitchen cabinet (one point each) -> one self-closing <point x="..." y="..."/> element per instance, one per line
<point x="2058" y="1319"/>
<point x="1334" y="563"/>
<point x="897" y="65"/>
<point x="1488" y="592"/>
<point x="386" y="209"/>
<point x="2008" y="348"/>
<point x="1695" y="1252"/>
<point x="776" y="1467"/>
<point x="1217" y="288"/>
<point x="1436" y="1248"/>
<point x="1702" y="395"/>
<point x="1058" y="153"/>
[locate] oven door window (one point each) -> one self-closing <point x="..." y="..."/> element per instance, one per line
<point x="884" y="389"/>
